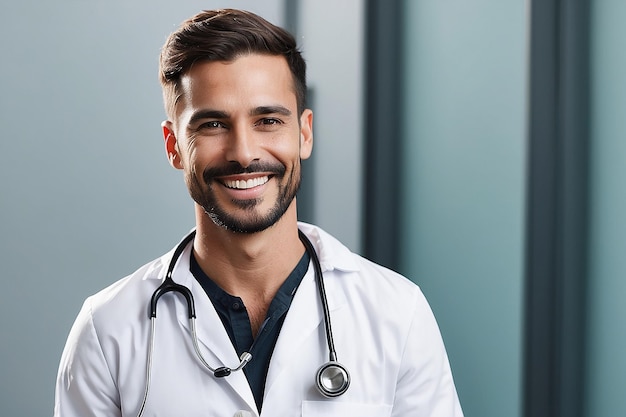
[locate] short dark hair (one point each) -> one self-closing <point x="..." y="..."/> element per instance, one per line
<point x="224" y="35"/>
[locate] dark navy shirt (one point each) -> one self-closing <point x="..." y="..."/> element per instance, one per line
<point x="233" y="314"/>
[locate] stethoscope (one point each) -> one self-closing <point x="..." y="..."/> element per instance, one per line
<point x="332" y="378"/>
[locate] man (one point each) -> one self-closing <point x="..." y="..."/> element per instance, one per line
<point x="234" y="90"/>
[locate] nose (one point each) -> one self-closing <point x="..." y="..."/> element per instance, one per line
<point x="242" y="146"/>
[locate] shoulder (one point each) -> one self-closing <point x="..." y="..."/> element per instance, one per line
<point x="125" y="300"/>
<point x="97" y="344"/>
<point x="358" y="275"/>
<point x="335" y="257"/>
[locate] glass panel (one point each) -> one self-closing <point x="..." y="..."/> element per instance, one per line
<point x="463" y="181"/>
<point x="606" y="374"/>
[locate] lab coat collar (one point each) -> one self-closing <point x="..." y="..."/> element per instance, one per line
<point x="331" y="253"/>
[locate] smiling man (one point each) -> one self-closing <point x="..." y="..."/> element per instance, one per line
<point x="237" y="128"/>
<point x="265" y="288"/>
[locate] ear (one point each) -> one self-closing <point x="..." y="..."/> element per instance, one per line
<point x="171" y="145"/>
<point x="306" y="134"/>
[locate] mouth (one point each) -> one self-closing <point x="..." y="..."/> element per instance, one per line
<point x="245" y="184"/>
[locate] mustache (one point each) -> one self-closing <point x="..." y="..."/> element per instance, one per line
<point x="235" y="168"/>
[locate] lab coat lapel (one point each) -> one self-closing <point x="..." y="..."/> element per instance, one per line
<point x="213" y="341"/>
<point x="304" y="317"/>
<point x="212" y="335"/>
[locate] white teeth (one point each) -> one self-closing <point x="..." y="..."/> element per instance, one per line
<point x="245" y="184"/>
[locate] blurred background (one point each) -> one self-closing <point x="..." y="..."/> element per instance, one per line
<point x="475" y="146"/>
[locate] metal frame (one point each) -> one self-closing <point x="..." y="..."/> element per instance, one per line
<point x="383" y="133"/>
<point x="556" y="249"/>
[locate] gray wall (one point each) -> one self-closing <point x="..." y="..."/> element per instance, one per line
<point x="86" y="193"/>
<point x="333" y="46"/>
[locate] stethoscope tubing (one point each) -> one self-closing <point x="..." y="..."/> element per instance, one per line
<point x="322" y="293"/>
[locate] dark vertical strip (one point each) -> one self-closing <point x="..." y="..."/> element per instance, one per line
<point x="575" y="59"/>
<point x="383" y="133"/>
<point x="292" y="16"/>
<point x="542" y="217"/>
<point x="556" y="250"/>
<point x="306" y="202"/>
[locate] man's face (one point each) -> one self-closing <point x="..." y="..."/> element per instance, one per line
<point x="239" y="139"/>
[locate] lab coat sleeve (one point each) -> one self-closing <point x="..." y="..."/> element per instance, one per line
<point x="425" y="386"/>
<point x="85" y="386"/>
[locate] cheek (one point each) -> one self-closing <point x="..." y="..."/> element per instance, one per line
<point x="289" y="151"/>
<point x="193" y="165"/>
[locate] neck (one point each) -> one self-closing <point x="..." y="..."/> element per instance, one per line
<point x="248" y="265"/>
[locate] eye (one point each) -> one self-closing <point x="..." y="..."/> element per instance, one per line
<point x="269" y="121"/>
<point x="213" y="124"/>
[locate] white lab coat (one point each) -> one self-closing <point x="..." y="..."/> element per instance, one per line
<point x="384" y="333"/>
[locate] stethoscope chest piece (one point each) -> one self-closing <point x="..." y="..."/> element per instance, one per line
<point x="332" y="379"/>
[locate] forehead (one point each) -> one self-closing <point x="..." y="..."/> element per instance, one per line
<point x="249" y="80"/>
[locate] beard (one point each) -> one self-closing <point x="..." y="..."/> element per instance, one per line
<point x="248" y="219"/>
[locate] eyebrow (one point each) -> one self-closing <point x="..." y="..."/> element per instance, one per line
<point x="257" y="111"/>
<point x="277" y="109"/>
<point x="207" y="114"/>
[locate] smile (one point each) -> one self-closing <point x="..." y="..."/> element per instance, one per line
<point x="246" y="184"/>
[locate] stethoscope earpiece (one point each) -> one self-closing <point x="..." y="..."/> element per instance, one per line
<point x="332" y="379"/>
